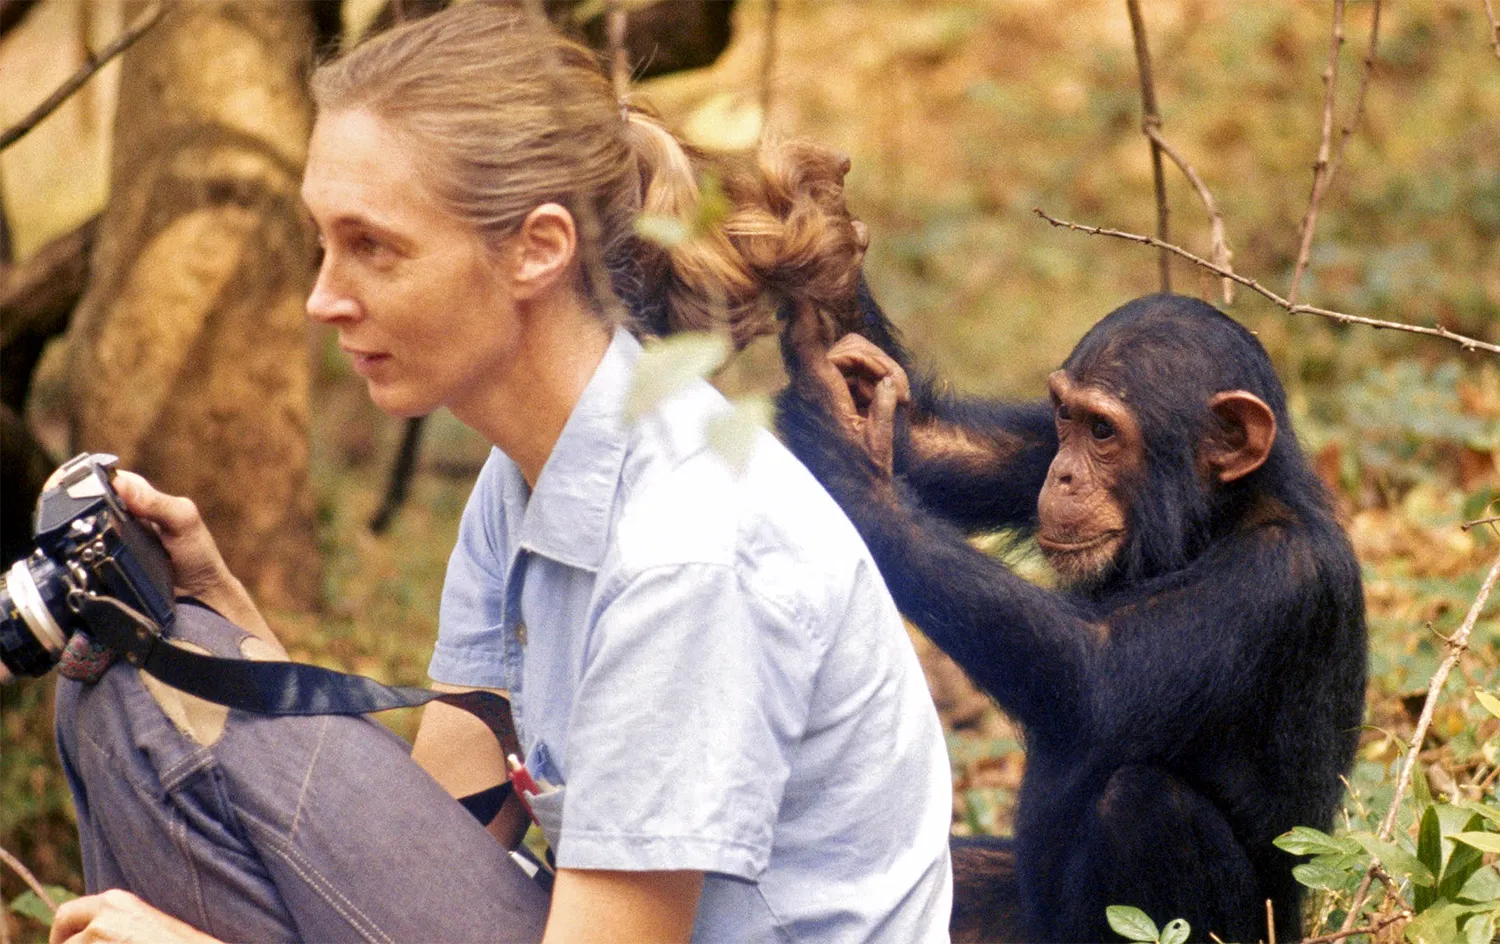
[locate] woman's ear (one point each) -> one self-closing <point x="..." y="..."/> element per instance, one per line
<point x="1247" y="432"/>
<point x="543" y="249"/>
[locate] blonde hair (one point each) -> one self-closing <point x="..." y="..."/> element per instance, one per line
<point x="506" y="114"/>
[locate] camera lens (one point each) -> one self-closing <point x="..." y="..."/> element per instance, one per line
<point x="31" y="602"/>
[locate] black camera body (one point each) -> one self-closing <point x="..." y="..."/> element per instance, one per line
<point x="86" y="543"/>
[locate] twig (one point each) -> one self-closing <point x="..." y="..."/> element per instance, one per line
<point x="1474" y="524"/>
<point x="1438" y="331"/>
<point x="1457" y="645"/>
<point x="94" y="63"/>
<point x="619" y="62"/>
<point x="768" y="64"/>
<point x="12" y="12"/>
<point x="1328" y="163"/>
<point x="1489" y="13"/>
<point x="1270" y="922"/>
<point x="26" y="876"/>
<point x="1218" y="241"/>
<point x="1370" y="929"/>
<point x="1151" y="122"/>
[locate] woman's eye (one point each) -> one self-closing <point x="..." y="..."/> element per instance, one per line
<point x="1101" y="429"/>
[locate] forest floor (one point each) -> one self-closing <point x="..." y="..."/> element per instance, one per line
<point x="959" y="118"/>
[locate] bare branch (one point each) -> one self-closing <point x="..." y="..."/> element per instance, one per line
<point x="1150" y="123"/>
<point x="1218" y="241"/>
<point x="619" y="62"/>
<point x="1489" y="13"/>
<point x="20" y="869"/>
<point x="12" y="12"/>
<point x="143" y="23"/>
<point x="1370" y="929"/>
<point x="768" y="64"/>
<point x="1329" y="159"/>
<point x="37" y="299"/>
<point x="1457" y="645"/>
<point x="1438" y="331"/>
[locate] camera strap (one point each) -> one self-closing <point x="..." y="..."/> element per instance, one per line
<point x="282" y="688"/>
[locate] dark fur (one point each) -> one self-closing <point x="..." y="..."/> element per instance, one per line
<point x="1197" y="701"/>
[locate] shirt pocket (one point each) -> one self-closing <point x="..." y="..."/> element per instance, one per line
<point x="547" y="805"/>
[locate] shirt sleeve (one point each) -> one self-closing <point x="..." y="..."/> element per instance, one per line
<point x="472" y="639"/>
<point x="694" y="695"/>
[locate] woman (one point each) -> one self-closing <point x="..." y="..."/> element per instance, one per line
<point x="704" y="664"/>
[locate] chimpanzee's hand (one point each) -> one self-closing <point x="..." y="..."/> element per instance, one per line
<point x="848" y="371"/>
<point x="118" y="917"/>
<point x="197" y="566"/>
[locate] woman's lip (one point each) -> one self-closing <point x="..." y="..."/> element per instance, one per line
<point x="365" y="360"/>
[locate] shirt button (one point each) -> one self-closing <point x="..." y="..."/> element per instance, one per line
<point x="521" y="633"/>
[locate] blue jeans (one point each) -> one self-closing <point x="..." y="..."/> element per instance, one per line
<point x="276" y="829"/>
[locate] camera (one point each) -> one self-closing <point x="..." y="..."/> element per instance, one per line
<point x="86" y="544"/>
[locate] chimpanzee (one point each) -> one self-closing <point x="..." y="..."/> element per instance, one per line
<point x="1195" y="686"/>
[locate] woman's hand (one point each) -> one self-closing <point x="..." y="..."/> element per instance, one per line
<point x="197" y="566"/>
<point x="118" y="917"/>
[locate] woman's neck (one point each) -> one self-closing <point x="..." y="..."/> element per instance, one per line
<point x="524" y="412"/>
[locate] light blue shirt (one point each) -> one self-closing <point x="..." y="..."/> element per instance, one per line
<point x="709" y="666"/>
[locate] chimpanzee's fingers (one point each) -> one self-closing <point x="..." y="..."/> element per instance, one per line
<point x="805" y="335"/>
<point x="854" y="354"/>
<point x="880" y="426"/>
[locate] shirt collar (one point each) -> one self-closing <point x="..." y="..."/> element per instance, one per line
<point x="567" y="517"/>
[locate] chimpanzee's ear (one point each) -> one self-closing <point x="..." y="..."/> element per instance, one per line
<point x="1247" y="430"/>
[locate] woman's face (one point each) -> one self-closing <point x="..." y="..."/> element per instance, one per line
<point x="420" y="302"/>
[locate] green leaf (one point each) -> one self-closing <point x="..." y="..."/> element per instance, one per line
<point x="1304" y="840"/>
<point x="1490" y="702"/>
<point x="1176" y="932"/>
<point x="1490" y="813"/>
<point x="1397" y="861"/>
<point x="670" y="364"/>
<point x="1421" y="790"/>
<point x="1482" y="886"/>
<point x="29" y="905"/>
<point x="1484" y="842"/>
<point x="1462" y="863"/>
<point x="1430" y="854"/>
<point x="1132" y="924"/>
<point x="665" y="231"/>
<point x="733" y="435"/>
<point x="1479" y="929"/>
<point x="1437" y="925"/>
<point x="1327" y="873"/>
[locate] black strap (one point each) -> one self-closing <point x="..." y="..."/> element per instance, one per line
<point x="272" y="688"/>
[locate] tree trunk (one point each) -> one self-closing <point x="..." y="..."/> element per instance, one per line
<point x="188" y="354"/>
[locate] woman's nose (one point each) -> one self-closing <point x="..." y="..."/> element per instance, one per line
<point x="327" y="303"/>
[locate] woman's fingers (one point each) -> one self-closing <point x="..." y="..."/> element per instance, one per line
<point x="118" y="917"/>
<point x="173" y="514"/>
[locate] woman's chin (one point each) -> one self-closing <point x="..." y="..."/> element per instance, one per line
<point x="402" y="404"/>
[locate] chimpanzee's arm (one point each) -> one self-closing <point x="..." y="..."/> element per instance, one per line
<point x="976" y="463"/>
<point x="1025" y="646"/>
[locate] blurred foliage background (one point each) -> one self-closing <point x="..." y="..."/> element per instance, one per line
<point x="959" y="118"/>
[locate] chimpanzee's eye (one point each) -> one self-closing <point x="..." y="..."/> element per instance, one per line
<point x="1101" y="429"/>
<point x="1062" y="412"/>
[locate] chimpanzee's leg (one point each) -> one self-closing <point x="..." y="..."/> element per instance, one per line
<point x="274" y="829"/>
<point x="1152" y="841"/>
<point x="986" y="904"/>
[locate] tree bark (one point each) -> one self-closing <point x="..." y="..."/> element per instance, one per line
<point x="188" y="352"/>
